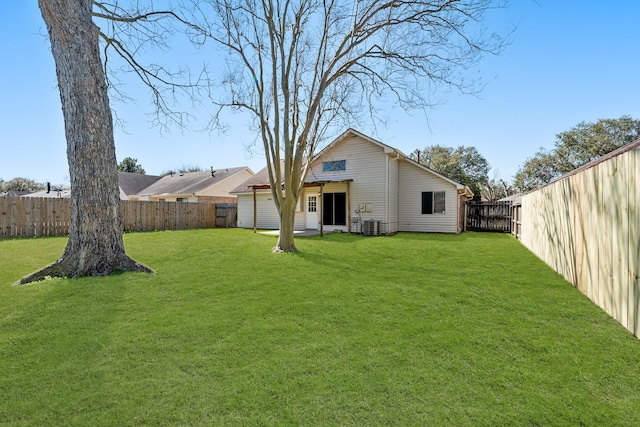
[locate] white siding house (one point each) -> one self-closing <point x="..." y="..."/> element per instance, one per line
<point x="357" y="184"/>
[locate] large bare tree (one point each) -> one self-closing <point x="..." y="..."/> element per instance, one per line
<point x="95" y="245"/>
<point x="301" y="68"/>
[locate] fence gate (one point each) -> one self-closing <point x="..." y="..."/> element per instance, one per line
<point x="226" y="215"/>
<point x="489" y="216"/>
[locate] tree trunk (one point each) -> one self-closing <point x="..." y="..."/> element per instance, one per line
<point x="287" y="220"/>
<point x="95" y="244"/>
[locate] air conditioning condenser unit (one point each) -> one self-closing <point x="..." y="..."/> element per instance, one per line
<point x="371" y="228"/>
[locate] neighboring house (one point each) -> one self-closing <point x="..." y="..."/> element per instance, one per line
<point x="358" y="184"/>
<point x="211" y="186"/>
<point x="132" y="183"/>
<point x="129" y="185"/>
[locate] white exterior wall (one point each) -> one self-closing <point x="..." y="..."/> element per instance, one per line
<point x="267" y="214"/>
<point x="413" y="181"/>
<point x="366" y="166"/>
<point x="268" y="217"/>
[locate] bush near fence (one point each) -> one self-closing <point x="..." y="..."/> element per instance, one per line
<point x="35" y="216"/>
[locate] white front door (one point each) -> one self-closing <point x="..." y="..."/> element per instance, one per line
<point x="312" y="212"/>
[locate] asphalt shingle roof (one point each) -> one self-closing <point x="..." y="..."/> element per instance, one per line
<point x="188" y="183"/>
<point x="133" y="183"/>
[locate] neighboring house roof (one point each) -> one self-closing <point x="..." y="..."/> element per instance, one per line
<point x="14" y="193"/>
<point x="129" y="184"/>
<point x="189" y="182"/>
<point x="516" y="199"/>
<point x="133" y="183"/>
<point x="261" y="179"/>
<point x="56" y="194"/>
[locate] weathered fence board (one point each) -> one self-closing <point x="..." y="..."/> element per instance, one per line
<point x="35" y="217"/>
<point x="516" y="220"/>
<point x="489" y="216"/>
<point x="226" y="215"/>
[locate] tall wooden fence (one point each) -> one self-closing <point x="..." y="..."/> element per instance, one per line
<point x="489" y="216"/>
<point x="32" y="216"/>
<point x="586" y="226"/>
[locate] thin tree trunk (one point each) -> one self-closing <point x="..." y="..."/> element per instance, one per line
<point x="95" y="245"/>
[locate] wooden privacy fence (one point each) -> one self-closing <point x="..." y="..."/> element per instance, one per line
<point x="489" y="216"/>
<point x="35" y="217"/>
<point x="586" y="226"/>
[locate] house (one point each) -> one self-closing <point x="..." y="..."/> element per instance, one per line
<point x="211" y="186"/>
<point x="357" y="184"/>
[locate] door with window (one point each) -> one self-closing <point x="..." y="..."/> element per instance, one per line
<point x="312" y="212"/>
<point x="334" y="209"/>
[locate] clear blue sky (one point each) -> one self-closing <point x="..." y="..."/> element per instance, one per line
<point x="570" y="61"/>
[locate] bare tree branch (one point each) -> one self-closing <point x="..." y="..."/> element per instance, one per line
<point x="127" y="33"/>
<point x="302" y="68"/>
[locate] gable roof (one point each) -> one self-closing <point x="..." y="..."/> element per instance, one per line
<point x="133" y="183"/>
<point x="352" y="132"/>
<point x="189" y="182"/>
<point x="261" y="179"/>
<point x="389" y="150"/>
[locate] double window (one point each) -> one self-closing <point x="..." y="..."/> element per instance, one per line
<point x="433" y="202"/>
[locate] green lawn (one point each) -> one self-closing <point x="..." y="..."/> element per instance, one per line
<point x="412" y="329"/>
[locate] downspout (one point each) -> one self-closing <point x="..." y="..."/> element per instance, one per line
<point x="458" y="206"/>
<point x="348" y="207"/>
<point x="388" y="192"/>
<point x="255" y="211"/>
<point x="321" y="209"/>
<point x="388" y="198"/>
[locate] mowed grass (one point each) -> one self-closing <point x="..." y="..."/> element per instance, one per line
<point x="411" y="329"/>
